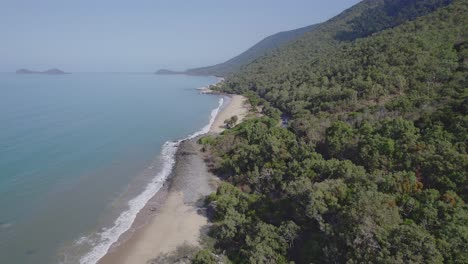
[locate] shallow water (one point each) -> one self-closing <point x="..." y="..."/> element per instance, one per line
<point x="74" y="149"/>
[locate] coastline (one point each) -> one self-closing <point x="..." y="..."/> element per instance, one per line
<point x="174" y="217"/>
<point x="207" y="89"/>
<point x="235" y="107"/>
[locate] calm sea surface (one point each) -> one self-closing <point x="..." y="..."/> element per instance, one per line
<point x="75" y="149"/>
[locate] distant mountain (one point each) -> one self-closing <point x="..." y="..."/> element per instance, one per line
<point x="298" y="60"/>
<point x="363" y="19"/>
<point x="49" y="71"/>
<point x="260" y="49"/>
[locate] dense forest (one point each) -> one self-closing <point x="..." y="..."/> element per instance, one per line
<point x="372" y="164"/>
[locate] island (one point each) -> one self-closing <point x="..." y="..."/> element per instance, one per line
<point x="167" y="72"/>
<point x="49" y="71"/>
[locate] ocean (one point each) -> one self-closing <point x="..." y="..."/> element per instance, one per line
<point x="80" y="155"/>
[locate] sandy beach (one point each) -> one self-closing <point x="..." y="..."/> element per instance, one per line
<point x="177" y="219"/>
<point x="235" y="107"/>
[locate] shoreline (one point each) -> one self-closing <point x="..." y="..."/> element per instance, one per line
<point x="173" y="216"/>
<point x="207" y="89"/>
<point x="235" y="107"/>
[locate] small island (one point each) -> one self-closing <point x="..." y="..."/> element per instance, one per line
<point x="49" y="72"/>
<point x="167" y="72"/>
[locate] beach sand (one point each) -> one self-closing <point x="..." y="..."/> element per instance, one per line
<point x="236" y="106"/>
<point x="178" y="218"/>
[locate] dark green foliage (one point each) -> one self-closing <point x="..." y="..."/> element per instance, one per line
<point x="204" y="257"/>
<point x="414" y="59"/>
<point x="372" y="167"/>
<point x="339" y="138"/>
<point x="411" y="244"/>
<point x="389" y="14"/>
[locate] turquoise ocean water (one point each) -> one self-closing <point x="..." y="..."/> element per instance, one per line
<point x="80" y="154"/>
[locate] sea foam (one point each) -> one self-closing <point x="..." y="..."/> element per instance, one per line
<point x="110" y="235"/>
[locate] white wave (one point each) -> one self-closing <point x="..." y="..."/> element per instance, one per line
<point x="206" y="128"/>
<point x="111" y="235"/>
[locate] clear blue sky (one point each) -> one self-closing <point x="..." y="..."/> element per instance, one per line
<point x="142" y="36"/>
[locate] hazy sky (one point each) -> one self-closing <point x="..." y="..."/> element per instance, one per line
<point x="142" y="36"/>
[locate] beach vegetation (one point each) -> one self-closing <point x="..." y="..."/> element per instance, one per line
<point x="204" y="257"/>
<point x="231" y="122"/>
<point x="181" y="255"/>
<point x="205" y="141"/>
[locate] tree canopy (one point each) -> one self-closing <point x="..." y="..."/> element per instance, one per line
<point x="372" y="164"/>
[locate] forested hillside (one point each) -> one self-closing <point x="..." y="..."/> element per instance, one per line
<point x="372" y="166"/>
<point x="261" y="48"/>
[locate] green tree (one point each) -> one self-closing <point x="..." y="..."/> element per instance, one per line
<point x="231" y="122"/>
<point x="204" y="257"/>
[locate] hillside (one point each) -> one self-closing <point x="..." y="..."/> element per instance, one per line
<point x="233" y="65"/>
<point x="261" y="48"/>
<point x="372" y="166"/>
<point x="383" y="15"/>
